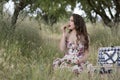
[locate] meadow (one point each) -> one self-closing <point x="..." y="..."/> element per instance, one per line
<point x="28" y="53"/>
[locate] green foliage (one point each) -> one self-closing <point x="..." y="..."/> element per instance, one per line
<point x="53" y="10"/>
<point x="99" y="7"/>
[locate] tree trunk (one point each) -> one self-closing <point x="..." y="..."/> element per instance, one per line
<point x="18" y="8"/>
<point x="15" y="17"/>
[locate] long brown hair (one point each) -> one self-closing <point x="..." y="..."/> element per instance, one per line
<point x="81" y="30"/>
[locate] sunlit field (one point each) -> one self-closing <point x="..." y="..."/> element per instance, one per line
<point x="28" y="53"/>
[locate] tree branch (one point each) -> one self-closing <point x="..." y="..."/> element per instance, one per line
<point x="110" y="13"/>
<point x="117" y="15"/>
<point x="18" y="7"/>
<point x="99" y="10"/>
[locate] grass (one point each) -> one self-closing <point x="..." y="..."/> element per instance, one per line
<point x="29" y="52"/>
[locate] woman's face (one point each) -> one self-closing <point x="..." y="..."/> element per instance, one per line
<point x="71" y="23"/>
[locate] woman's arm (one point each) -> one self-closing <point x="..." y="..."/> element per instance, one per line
<point x="63" y="38"/>
<point x="63" y="42"/>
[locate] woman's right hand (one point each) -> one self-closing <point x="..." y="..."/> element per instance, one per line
<point x="64" y="28"/>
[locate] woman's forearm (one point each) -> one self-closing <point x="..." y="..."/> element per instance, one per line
<point x="63" y="42"/>
<point x="63" y="38"/>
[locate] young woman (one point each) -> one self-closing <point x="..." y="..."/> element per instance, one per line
<point x="75" y="43"/>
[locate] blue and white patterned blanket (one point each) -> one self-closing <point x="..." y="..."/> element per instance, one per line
<point x="109" y="55"/>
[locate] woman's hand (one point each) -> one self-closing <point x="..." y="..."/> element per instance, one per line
<point x="64" y="28"/>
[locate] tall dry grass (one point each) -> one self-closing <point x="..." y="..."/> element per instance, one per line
<point x="29" y="52"/>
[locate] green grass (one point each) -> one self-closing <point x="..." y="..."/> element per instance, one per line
<point x="29" y="52"/>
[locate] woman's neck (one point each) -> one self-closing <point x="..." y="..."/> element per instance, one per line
<point x="72" y="36"/>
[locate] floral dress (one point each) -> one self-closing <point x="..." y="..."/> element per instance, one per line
<point x="74" y="53"/>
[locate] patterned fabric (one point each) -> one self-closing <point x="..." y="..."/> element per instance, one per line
<point x="74" y="53"/>
<point x="109" y="55"/>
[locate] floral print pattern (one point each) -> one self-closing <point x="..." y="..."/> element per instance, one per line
<point x="71" y="58"/>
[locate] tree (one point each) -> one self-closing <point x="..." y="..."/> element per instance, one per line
<point x="52" y="10"/>
<point x="99" y="7"/>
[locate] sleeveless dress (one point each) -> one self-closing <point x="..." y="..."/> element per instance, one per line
<point x="73" y="54"/>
